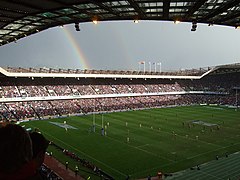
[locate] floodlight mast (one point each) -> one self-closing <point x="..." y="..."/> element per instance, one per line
<point x="144" y="66"/>
<point x="160" y="66"/>
<point x="139" y="65"/>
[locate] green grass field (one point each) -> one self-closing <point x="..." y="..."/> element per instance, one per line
<point x="167" y="139"/>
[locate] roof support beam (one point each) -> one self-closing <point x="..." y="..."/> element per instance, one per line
<point x="140" y="12"/>
<point x="232" y="16"/>
<point x="166" y="6"/>
<point x="221" y="9"/>
<point x="27" y="5"/>
<point x="75" y="8"/>
<point x="106" y="8"/>
<point x="194" y="8"/>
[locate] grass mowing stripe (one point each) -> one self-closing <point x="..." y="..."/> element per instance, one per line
<point x="196" y="176"/>
<point x="208" y="176"/>
<point x="220" y="172"/>
<point x="224" y="167"/>
<point x="234" y="175"/>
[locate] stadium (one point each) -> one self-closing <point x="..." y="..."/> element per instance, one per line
<point x="100" y="97"/>
<point x="122" y="124"/>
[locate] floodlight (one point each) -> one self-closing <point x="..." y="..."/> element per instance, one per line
<point x="136" y="21"/>
<point x="177" y="22"/>
<point x="95" y="21"/>
<point x="77" y="27"/>
<point x="194" y="26"/>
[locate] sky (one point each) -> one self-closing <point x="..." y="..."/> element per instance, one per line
<point x="122" y="45"/>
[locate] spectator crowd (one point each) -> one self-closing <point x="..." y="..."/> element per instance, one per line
<point x="121" y="95"/>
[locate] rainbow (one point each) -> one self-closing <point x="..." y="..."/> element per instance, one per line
<point x="76" y="48"/>
<point x="128" y="59"/>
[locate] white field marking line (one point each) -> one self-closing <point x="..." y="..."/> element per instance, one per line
<point x="142" y="145"/>
<point x="140" y="149"/>
<point x="215" y="108"/>
<point x="181" y="136"/>
<point x="153" y="154"/>
<point x="86" y="154"/>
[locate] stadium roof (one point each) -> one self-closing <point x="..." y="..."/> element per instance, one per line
<point x="19" y="19"/>
<point x="228" y="68"/>
<point x="71" y="73"/>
